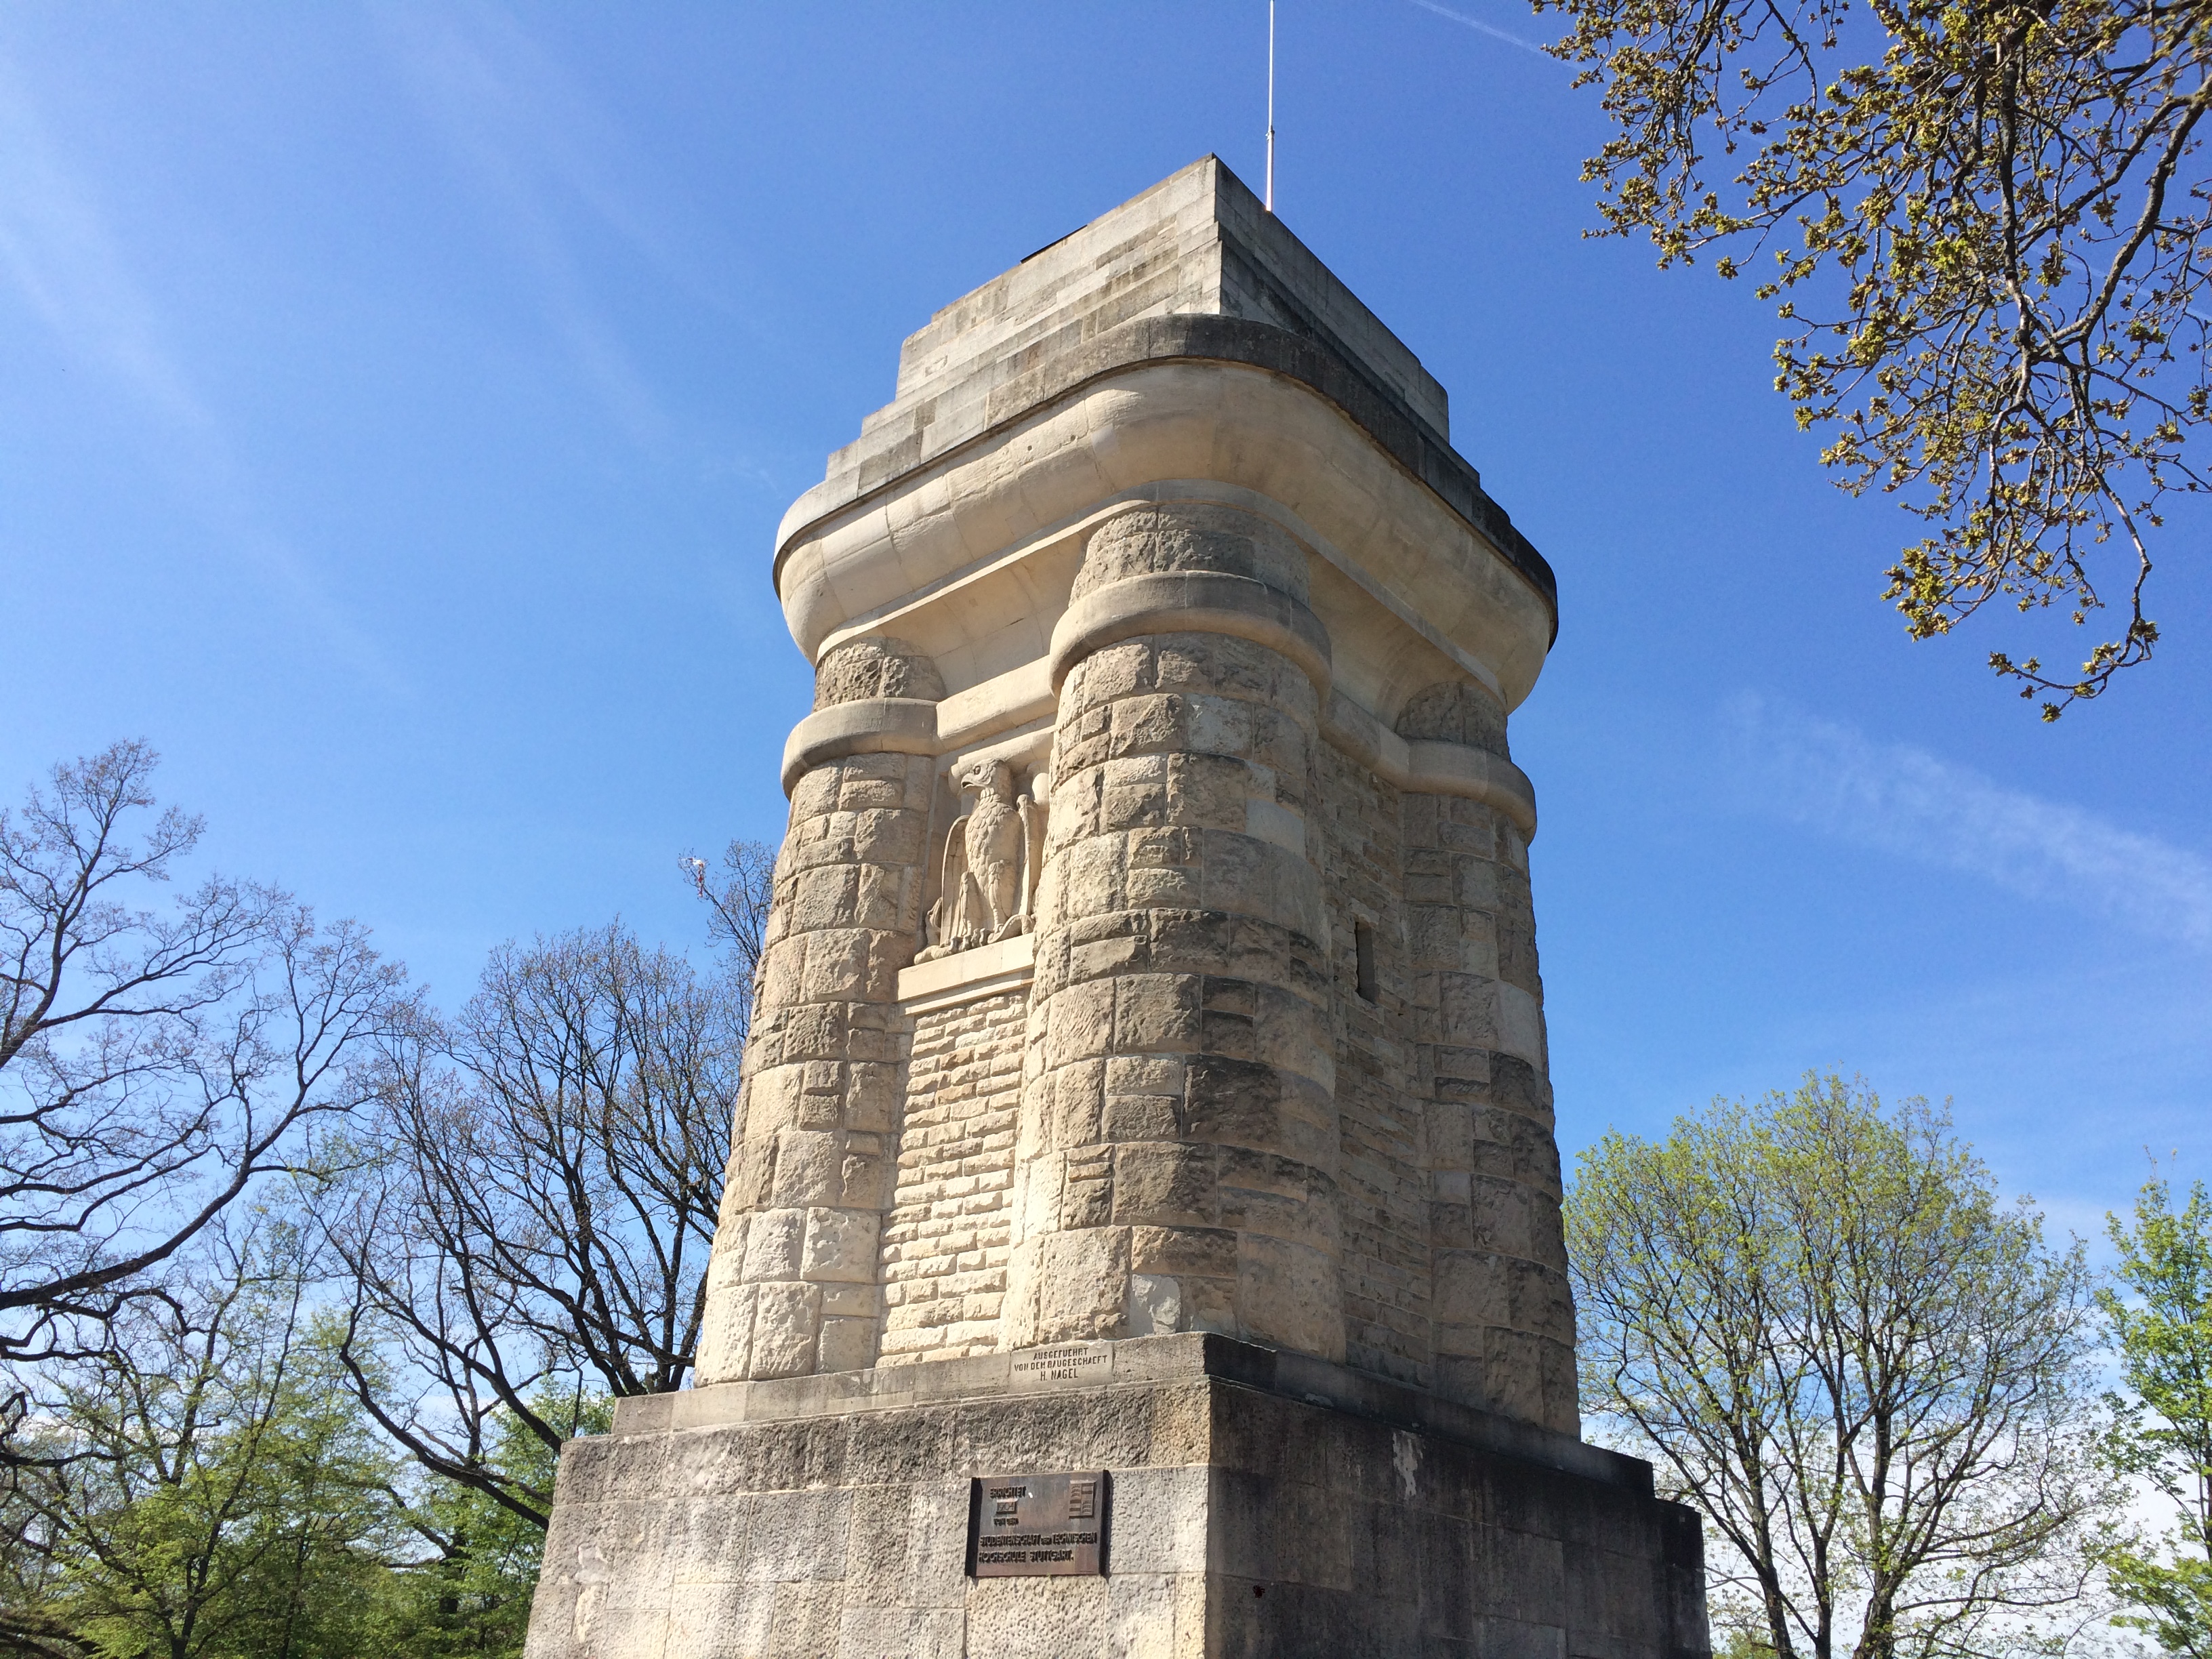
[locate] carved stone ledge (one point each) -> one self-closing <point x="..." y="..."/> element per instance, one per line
<point x="896" y="726"/>
<point x="1130" y="1363"/>
<point x="1428" y="767"/>
<point x="912" y="726"/>
<point x="967" y="975"/>
<point x="1196" y="602"/>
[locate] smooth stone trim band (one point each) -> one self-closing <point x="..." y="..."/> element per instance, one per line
<point x="1191" y="602"/>
<point x="868" y="726"/>
<point x="1407" y="440"/>
<point x="913" y="726"/>
<point x="1426" y="767"/>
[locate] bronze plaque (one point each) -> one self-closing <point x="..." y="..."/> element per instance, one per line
<point x="1028" y="1525"/>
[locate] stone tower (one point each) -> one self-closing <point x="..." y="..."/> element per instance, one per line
<point x="1142" y="1233"/>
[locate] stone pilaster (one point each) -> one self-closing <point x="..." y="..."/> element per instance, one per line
<point x="794" y="1286"/>
<point x="1504" y="1318"/>
<point x="1177" y="1145"/>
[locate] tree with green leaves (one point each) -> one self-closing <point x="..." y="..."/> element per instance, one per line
<point x="470" y="1598"/>
<point x="1984" y="226"/>
<point x="1870" y="1376"/>
<point x="203" y="1486"/>
<point x="2161" y="1316"/>
<point x="208" y="1486"/>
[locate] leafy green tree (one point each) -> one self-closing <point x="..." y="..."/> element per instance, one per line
<point x="203" y="1485"/>
<point x="1987" y="230"/>
<point x="209" y="1486"/>
<point x="471" y="1596"/>
<point x="2161" y="1316"/>
<point x="474" y="1598"/>
<point x="1869" y="1375"/>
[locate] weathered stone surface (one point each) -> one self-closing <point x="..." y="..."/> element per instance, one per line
<point x="1457" y="711"/>
<point x="947" y="1238"/>
<point x="1502" y="1317"/>
<point x="1148" y="1068"/>
<point x="1182" y="1071"/>
<point x="877" y="666"/>
<point x="794" y="1282"/>
<point x="843" y="1533"/>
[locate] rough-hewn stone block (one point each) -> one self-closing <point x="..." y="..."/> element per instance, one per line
<point x="1370" y="1524"/>
<point x="1187" y="765"/>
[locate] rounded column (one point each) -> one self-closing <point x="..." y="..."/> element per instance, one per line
<point x="793" y="1283"/>
<point x="1178" y="1144"/>
<point x="1502" y="1316"/>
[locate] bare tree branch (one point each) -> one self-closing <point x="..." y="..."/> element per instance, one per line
<point x="154" y="1064"/>
<point x="538" y="1198"/>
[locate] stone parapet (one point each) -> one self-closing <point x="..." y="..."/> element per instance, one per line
<point x="1420" y="450"/>
<point x="1446" y="589"/>
<point x="1196" y="244"/>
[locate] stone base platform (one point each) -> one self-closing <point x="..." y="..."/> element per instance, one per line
<point x="1259" y="1503"/>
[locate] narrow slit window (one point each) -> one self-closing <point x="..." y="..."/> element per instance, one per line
<point x="1363" y="941"/>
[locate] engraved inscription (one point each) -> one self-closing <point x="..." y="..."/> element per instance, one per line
<point x="1055" y="1367"/>
<point x="1037" y="1525"/>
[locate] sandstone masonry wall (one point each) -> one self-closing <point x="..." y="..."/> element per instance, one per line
<point x="1504" y="1315"/>
<point x="948" y="1234"/>
<point x="794" y="1282"/>
<point x="1279" y="1074"/>
<point x="1383" y="1182"/>
<point x="1176" y="1161"/>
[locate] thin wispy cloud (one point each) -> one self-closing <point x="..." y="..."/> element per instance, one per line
<point x="524" y="136"/>
<point x="63" y="262"/>
<point x="559" y="173"/>
<point x="1481" y="27"/>
<point x="1905" y="800"/>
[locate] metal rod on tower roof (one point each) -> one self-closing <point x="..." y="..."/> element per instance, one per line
<point x="1271" y="107"/>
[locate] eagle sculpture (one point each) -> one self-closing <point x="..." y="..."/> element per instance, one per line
<point x="991" y="861"/>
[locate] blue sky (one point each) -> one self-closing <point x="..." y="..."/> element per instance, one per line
<point x="398" y="402"/>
